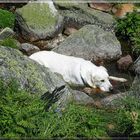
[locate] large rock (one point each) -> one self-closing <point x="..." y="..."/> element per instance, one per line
<point x="38" y="21"/>
<point x="79" y="14"/>
<point x="91" y="42"/>
<point x="29" y="74"/>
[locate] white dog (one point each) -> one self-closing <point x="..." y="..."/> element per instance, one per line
<point x="76" y="71"/>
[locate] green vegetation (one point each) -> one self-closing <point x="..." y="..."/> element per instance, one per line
<point x="20" y="112"/>
<point x="7" y="19"/>
<point x="128" y="118"/>
<point x="9" y="42"/>
<point x="129" y="28"/>
<point x="23" y="115"/>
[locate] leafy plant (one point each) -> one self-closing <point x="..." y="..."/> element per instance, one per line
<point x="128" y="121"/>
<point x="128" y="116"/>
<point x="19" y="112"/>
<point x="23" y="115"/>
<point x="78" y="121"/>
<point x="129" y="28"/>
<point x="7" y="19"/>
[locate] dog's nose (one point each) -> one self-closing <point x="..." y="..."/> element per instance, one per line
<point x="111" y="88"/>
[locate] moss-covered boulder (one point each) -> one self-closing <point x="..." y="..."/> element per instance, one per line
<point x="38" y="21"/>
<point x="91" y="42"/>
<point x="29" y="74"/>
<point x="79" y="14"/>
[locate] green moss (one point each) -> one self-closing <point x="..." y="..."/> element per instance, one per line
<point x="24" y="71"/>
<point x="7" y="19"/>
<point x="34" y="82"/>
<point x="9" y="42"/>
<point x="38" y="16"/>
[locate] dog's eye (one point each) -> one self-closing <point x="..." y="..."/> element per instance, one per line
<point x="102" y="80"/>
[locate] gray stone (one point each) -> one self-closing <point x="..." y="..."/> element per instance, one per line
<point x="136" y="66"/>
<point x="38" y="21"/>
<point x="113" y="101"/>
<point x="28" y="49"/>
<point x="91" y="42"/>
<point x="6" y="32"/>
<point x="82" y="98"/>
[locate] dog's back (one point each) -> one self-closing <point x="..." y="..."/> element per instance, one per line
<point x="67" y="66"/>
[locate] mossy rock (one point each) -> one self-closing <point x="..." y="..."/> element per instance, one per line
<point x="36" y="21"/>
<point x="29" y="74"/>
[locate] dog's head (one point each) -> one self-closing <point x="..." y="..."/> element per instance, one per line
<point x="97" y="77"/>
<point x="100" y="79"/>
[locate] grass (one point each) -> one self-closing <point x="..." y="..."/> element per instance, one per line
<point x="23" y="115"/>
<point x="9" y="42"/>
<point x="7" y="19"/>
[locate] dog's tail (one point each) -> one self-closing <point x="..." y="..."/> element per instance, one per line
<point x="117" y="79"/>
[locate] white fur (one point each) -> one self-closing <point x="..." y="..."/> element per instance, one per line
<point x="75" y="71"/>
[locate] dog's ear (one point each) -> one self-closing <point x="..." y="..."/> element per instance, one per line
<point x="86" y="75"/>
